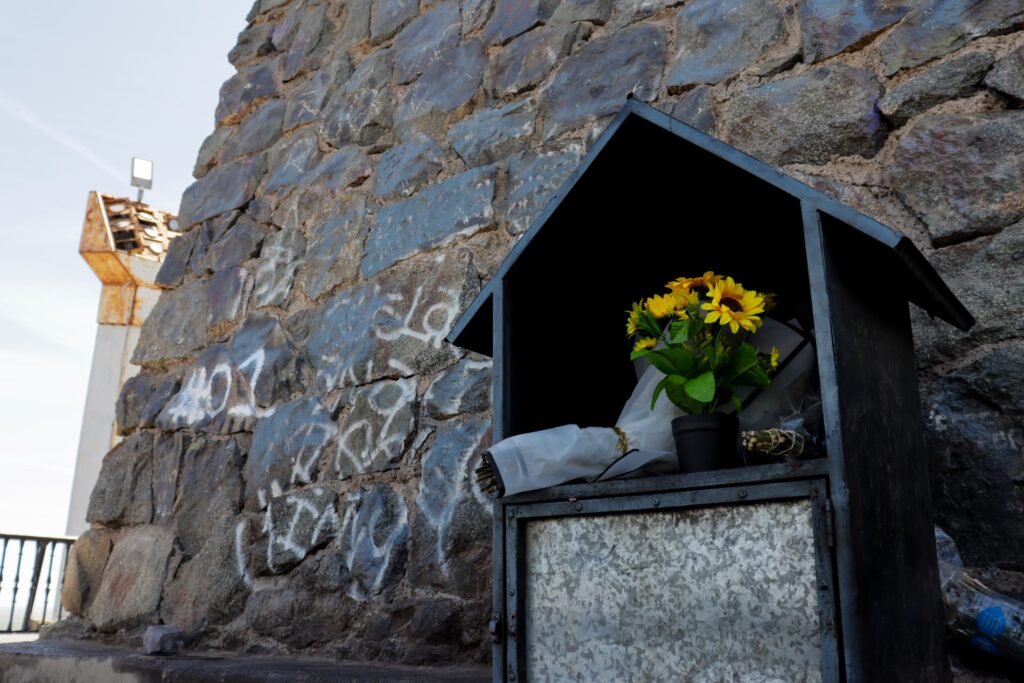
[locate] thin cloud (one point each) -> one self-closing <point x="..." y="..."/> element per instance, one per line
<point x="19" y="338"/>
<point x="27" y="117"/>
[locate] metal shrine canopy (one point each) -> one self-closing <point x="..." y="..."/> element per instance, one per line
<point x="655" y="199"/>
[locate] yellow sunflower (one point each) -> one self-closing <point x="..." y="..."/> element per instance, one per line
<point x="644" y="343"/>
<point x="662" y="306"/>
<point x="773" y="358"/>
<point x="687" y="283"/>
<point x="631" y="322"/>
<point x="734" y="306"/>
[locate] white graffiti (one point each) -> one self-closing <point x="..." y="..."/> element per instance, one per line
<point x="210" y="392"/>
<point x="299" y="430"/>
<point x="291" y="534"/>
<point x="451" y="484"/>
<point x="433" y="323"/>
<point x="452" y="404"/>
<point x="275" y="272"/>
<point x="241" y="554"/>
<point x="366" y="515"/>
<point x="378" y="427"/>
<point x="1012" y="438"/>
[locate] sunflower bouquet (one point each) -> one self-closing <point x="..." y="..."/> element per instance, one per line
<point x="696" y="334"/>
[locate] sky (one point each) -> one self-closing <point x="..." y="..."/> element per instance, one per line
<point x="84" y="86"/>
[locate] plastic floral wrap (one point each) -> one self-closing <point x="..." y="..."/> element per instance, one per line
<point x="641" y="440"/>
<point x="989" y="621"/>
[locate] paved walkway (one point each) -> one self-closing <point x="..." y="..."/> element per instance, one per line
<point x="47" y="660"/>
<point x="18" y="637"/>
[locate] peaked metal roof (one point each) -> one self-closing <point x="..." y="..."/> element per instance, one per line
<point x="932" y="294"/>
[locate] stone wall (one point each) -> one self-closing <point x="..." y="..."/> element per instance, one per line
<point x="295" y="469"/>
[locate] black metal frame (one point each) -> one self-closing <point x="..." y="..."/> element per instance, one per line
<point x="750" y="486"/>
<point x="876" y="469"/>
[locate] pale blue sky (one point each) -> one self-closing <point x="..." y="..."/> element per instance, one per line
<point x="84" y="86"/>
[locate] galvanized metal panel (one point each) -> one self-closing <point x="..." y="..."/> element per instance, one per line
<point x="724" y="593"/>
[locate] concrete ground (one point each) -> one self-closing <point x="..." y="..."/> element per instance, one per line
<point x="18" y="637"/>
<point x="61" y="661"/>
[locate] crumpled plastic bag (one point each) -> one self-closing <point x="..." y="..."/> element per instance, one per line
<point x="989" y="621"/>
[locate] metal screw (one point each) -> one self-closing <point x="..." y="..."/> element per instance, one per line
<point x="579" y="506"/>
<point x="511" y="514"/>
<point x="743" y="494"/>
<point x="511" y="674"/>
<point x="511" y="591"/>
<point x="657" y="502"/>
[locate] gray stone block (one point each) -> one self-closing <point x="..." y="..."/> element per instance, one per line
<point x="393" y="325"/>
<point x="374" y="540"/>
<point x="286" y="450"/>
<point x="258" y="131"/>
<point x="492" y="134"/>
<point x="162" y="640"/>
<point x="451" y="527"/>
<point x="299" y="523"/>
<point x="389" y="16"/>
<point x="958" y="77"/>
<point x="512" y="17"/>
<point x="808" y="118"/>
<point x="528" y="60"/>
<point x="129" y="593"/>
<point x="595" y="80"/>
<point x="463" y="388"/>
<point x="361" y="111"/>
<point x="280" y="258"/>
<point x="938" y="27"/>
<point x="404" y="169"/>
<point x="1008" y="75"/>
<point x="449" y="83"/>
<point x="961" y="173"/>
<point x="533" y="178"/>
<point x="697" y="108"/>
<point x="334" y="248"/>
<point x="247" y="87"/>
<point x="304" y="104"/>
<point x="377" y="430"/>
<point x="717" y="39"/>
<point x="830" y="27"/>
<point x="425" y="38"/>
<point x="226" y="187"/>
<point x="176" y="327"/>
<point x="458" y="206"/>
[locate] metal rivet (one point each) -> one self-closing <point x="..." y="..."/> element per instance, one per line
<point x="579" y="506"/>
<point x="511" y="591"/>
<point x="743" y="494"/>
<point x="511" y="674"/>
<point x="657" y="502"/>
<point x="511" y="514"/>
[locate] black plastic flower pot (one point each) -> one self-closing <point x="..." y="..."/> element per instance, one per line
<point x="706" y="442"/>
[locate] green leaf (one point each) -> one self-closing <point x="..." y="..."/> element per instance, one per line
<point x="679" y="331"/>
<point x="658" y="389"/>
<point x="754" y="377"/>
<point x="744" y="358"/>
<point x="674" y="389"/>
<point x="639" y="354"/>
<point x="701" y="388"/>
<point x="660" y="361"/>
<point x="682" y="359"/>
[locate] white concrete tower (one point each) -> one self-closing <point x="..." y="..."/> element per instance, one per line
<point x="124" y="242"/>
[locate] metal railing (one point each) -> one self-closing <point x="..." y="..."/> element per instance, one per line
<point x="37" y="557"/>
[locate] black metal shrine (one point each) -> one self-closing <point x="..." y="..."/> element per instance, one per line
<point x="653" y="199"/>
